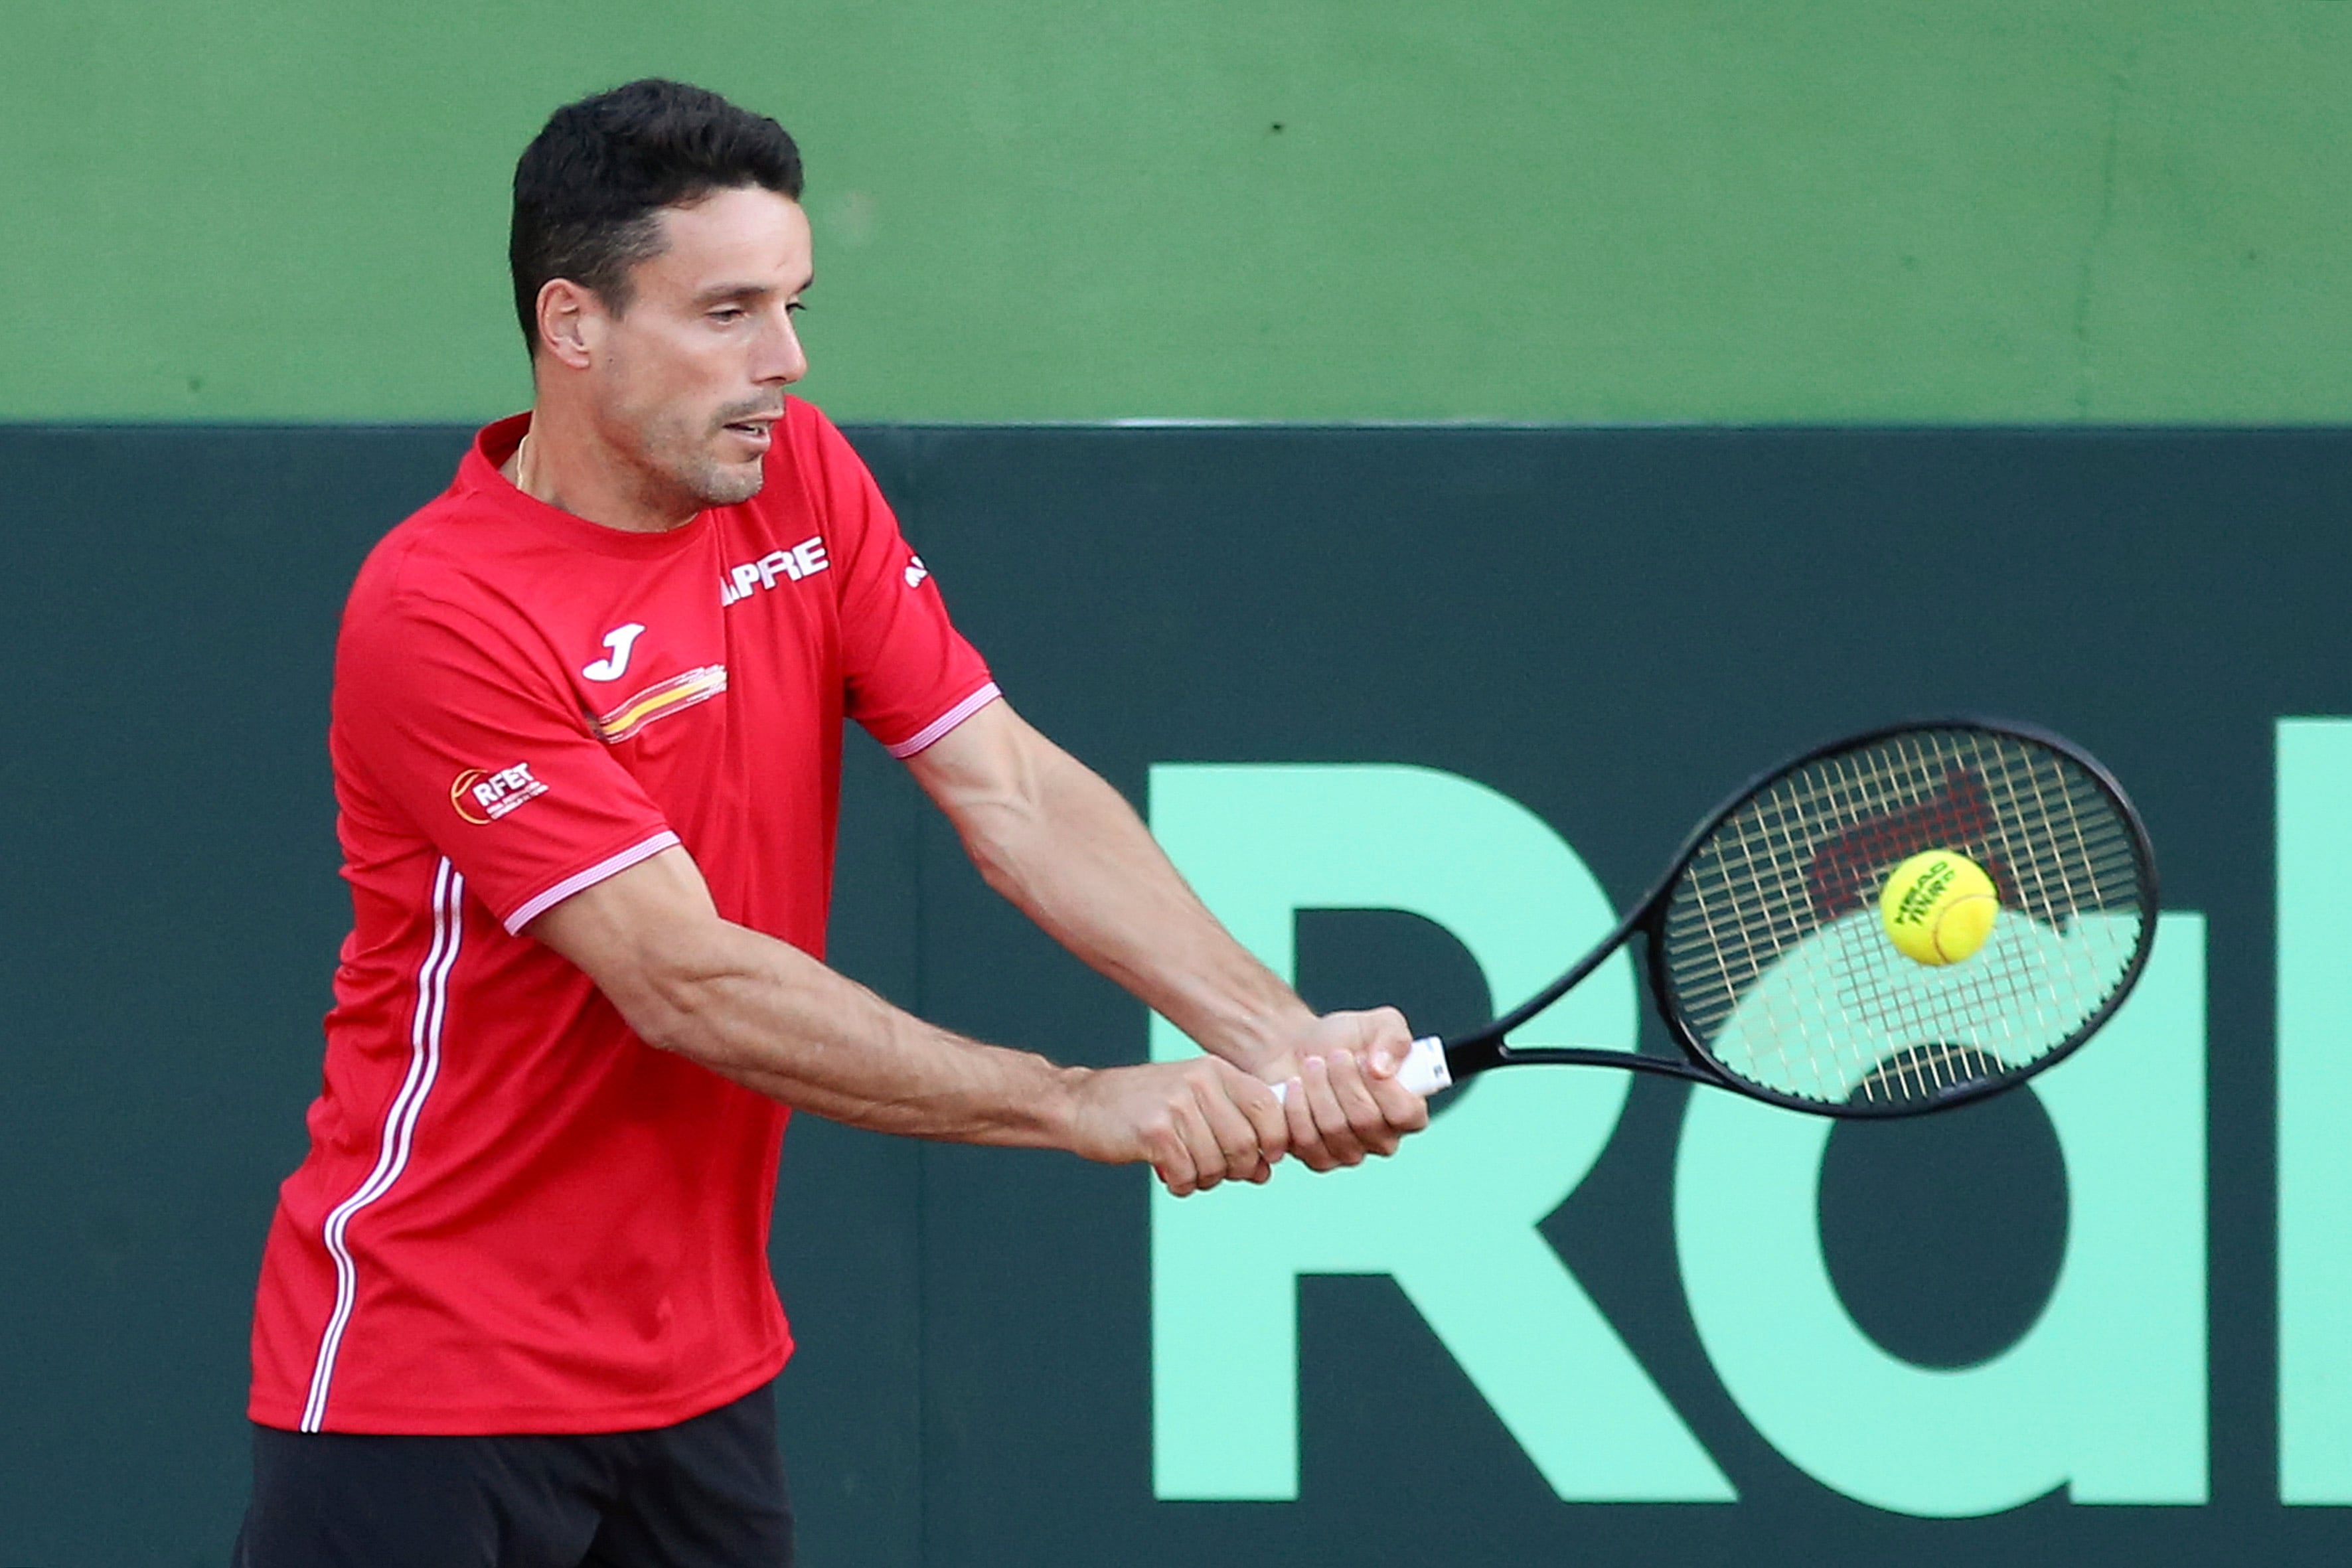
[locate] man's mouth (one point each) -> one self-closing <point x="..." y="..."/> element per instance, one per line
<point x="754" y="431"/>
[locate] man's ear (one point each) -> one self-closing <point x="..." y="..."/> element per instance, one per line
<point x="568" y="317"/>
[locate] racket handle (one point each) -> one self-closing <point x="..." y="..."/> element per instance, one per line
<point x="1423" y="1071"/>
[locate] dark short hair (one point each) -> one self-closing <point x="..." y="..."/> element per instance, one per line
<point x="588" y="188"/>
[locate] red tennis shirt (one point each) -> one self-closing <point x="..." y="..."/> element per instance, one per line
<point x="515" y="1216"/>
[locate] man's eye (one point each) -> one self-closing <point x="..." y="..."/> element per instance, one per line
<point x="727" y="313"/>
<point x="796" y="307"/>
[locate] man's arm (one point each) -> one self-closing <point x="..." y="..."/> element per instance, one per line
<point x="769" y="1016"/>
<point x="1069" y="852"/>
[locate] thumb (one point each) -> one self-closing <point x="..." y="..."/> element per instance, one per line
<point x="1390" y="1040"/>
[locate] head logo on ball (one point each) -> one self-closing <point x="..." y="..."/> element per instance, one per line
<point x="1938" y="906"/>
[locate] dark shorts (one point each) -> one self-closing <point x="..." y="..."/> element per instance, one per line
<point x="706" y="1493"/>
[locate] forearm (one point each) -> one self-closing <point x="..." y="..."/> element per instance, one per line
<point x="1064" y="846"/>
<point x="1069" y="852"/>
<point x="772" y="1018"/>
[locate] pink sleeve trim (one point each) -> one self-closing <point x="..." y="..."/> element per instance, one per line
<point x="929" y="733"/>
<point x="611" y="866"/>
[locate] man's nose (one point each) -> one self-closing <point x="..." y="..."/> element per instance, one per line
<point x="780" y="356"/>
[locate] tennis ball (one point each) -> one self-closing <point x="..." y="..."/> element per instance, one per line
<point x="1939" y="905"/>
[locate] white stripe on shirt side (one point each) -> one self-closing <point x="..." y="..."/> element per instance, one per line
<point x="929" y="733"/>
<point x="611" y="866"/>
<point x="399" y="1125"/>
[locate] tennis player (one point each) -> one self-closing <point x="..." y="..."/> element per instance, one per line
<point x="515" y="1307"/>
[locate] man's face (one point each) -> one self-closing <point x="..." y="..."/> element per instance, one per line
<point x="691" y="378"/>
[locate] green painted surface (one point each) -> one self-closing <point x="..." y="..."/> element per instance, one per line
<point x="2033" y="210"/>
<point x="2314" y="1086"/>
<point x="2104" y="1396"/>
<point x="1456" y="1227"/>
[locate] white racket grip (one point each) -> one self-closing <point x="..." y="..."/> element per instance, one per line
<point x="1424" y="1070"/>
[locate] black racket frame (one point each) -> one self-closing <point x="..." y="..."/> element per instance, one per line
<point x="1488" y="1046"/>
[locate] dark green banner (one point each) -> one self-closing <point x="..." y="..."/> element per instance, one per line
<point x="1415" y="709"/>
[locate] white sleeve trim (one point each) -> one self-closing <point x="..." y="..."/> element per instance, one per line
<point x="930" y="733"/>
<point x="611" y="866"/>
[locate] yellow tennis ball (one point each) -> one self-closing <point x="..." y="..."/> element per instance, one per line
<point x="1939" y="905"/>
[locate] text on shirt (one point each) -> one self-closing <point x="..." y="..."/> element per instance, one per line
<point x="802" y="560"/>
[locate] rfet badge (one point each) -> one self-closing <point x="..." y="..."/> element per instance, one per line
<point x="483" y="796"/>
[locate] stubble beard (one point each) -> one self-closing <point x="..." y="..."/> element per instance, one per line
<point x="679" y="462"/>
<point x="726" y="484"/>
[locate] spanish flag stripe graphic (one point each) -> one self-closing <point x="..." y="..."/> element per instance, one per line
<point x="659" y="701"/>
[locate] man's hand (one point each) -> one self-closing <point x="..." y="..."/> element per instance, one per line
<point x="1344" y="1101"/>
<point x="1197" y="1122"/>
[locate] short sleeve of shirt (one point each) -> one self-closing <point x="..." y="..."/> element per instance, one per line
<point x="454" y="726"/>
<point x="908" y="676"/>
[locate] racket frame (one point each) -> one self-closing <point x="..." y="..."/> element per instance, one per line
<point x="1488" y="1046"/>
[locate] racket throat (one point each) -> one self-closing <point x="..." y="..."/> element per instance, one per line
<point x="1500" y="1055"/>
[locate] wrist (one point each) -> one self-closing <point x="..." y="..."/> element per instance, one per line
<point x="1059" y="1118"/>
<point x="1262" y="1036"/>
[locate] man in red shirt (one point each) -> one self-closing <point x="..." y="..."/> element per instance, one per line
<point x="515" y="1308"/>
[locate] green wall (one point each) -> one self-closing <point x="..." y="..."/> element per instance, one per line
<point x="1576" y="210"/>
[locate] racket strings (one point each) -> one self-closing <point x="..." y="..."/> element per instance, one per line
<point x="1989" y="991"/>
<point x="1851" y="789"/>
<point x="1854" y="795"/>
<point x="1775" y="958"/>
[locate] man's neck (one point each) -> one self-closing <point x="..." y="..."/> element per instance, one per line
<point x="560" y="462"/>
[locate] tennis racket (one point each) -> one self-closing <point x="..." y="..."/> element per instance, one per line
<point x="1776" y="977"/>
